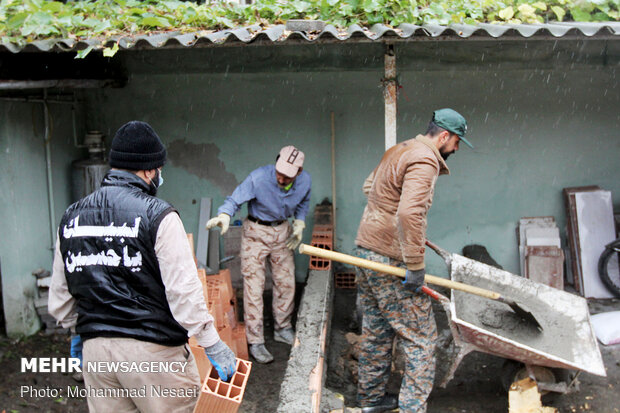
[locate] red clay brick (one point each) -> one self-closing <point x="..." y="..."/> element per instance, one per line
<point x="345" y="279"/>
<point x="223" y="397"/>
<point x="201" y="359"/>
<point x="241" y="342"/>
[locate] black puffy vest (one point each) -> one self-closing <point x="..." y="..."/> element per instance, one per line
<point x="107" y="241"/>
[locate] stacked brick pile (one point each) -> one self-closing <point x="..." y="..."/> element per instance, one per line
<point x="322" y="236"/>
<point x="221" y="299"/>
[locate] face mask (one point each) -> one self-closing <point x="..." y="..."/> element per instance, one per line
<point x="156" y="183"/>
<point x="289" y="186"/>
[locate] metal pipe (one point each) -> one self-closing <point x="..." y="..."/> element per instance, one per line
<point x="48" y="162"/>
<point x="75" y="142"/>
<point x="37" y="100"/>
<point x="389" y="95"/>
<point x="59" y="83"/>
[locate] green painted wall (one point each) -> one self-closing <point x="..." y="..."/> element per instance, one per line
<point x="24" y="223"/>
<point x="542" y="117"/>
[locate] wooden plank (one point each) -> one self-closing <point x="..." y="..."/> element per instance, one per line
<point x="2" y="319"/>
<point x="545" y="264"/>
<point x="213" y="254"/>
<point x="203" y="235"/>
<point x="572" y="230"/>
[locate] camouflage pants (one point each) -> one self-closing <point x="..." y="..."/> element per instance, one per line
<point x="259" y="242"/>
<point x="389" y="310"/>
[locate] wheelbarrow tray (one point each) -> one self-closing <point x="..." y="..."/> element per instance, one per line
<point x="567" y="339"/>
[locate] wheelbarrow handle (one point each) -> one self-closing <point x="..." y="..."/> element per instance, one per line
<point x="389" y="269"/>
<point x="432" y="293"/>
<point x="447" y="257"/>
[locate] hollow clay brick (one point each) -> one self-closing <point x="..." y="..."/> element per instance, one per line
<point x="241" y="342"/>
<point x="202" y="362"/>
<point x="345" y="280"/>
<point x="224" y="277"/>
<point x="220" y="396"/>
<point x="317" y="263"/>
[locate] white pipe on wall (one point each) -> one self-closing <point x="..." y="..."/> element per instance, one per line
<point x="389" y="95"/>
<point x="48" y="163"/>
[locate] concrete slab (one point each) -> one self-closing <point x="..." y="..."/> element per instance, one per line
<point x="305" y="372"/>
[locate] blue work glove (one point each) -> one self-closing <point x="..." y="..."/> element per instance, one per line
<point x="223" y="359"/>
<point x="414" y="280"/>
<point x="76" y="347"/>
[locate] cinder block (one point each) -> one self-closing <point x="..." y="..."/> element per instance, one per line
<point x="220" y="396"/>
<point x="345" y="279"/>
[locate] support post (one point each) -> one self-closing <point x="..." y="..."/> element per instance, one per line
<point x="389" y="95"/>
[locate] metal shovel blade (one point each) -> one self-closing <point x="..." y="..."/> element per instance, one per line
<point x="527" y="316"/>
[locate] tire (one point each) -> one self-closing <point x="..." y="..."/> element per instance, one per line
<point x="610" y="279"/>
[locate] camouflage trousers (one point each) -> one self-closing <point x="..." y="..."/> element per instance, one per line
<point x="259" y="242"/>
<point x="389" y="310"/>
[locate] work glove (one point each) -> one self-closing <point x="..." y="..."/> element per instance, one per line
<point x="222" y="221"/>
<point x="298" y="229"/>
<point x="414" y="280"/>
<point x="223" y="359"/>
<point x="76" y="347"/>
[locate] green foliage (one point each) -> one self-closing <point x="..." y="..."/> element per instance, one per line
<point x="23" y="21"/>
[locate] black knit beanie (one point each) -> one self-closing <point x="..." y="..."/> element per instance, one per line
<point x="137" y="147"/>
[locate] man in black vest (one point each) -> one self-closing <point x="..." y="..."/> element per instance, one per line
<point x="124" y="279"/>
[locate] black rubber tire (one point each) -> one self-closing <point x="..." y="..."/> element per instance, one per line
<point x="613" y="284"/>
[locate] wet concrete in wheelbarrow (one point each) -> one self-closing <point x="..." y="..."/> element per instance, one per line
<point x="565" y="331"/>
<point x="555" y="337"/>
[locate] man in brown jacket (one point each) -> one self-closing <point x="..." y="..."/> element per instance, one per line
<point x="393" y="231"/>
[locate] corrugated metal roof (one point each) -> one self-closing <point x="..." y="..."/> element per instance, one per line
<point x="278" y="34"/>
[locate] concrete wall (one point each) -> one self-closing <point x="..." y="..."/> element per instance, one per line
<point x="539" y="123"/>
<point x="26" y="242"/>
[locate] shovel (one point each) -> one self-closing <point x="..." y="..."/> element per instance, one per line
<point x="431" y="279"/>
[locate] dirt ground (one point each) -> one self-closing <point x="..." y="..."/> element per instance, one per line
<point x="477" y="386"/>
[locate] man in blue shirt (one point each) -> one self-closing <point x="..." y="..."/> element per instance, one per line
<point x="274" y="193"/>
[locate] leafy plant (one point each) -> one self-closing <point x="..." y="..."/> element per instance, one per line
<point x="23" y="21"/>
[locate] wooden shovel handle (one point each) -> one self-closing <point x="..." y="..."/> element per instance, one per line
<point x="389" y="269"/>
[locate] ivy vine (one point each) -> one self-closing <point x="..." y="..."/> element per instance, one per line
<point x="24" y="21"/>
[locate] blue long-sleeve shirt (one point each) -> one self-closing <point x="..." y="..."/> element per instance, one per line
<point x="266" y="200"/>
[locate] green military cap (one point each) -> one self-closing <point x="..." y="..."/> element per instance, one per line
<point x="452" y="121"/>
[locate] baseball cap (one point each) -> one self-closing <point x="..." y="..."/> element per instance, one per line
<point x="451" y="120"/>
<point x="290" y="160"/>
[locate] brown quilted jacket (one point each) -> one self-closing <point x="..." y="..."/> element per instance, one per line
<point x="400" y="192"/>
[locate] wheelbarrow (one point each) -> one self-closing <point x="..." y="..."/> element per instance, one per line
<point x="565" y="341"/>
